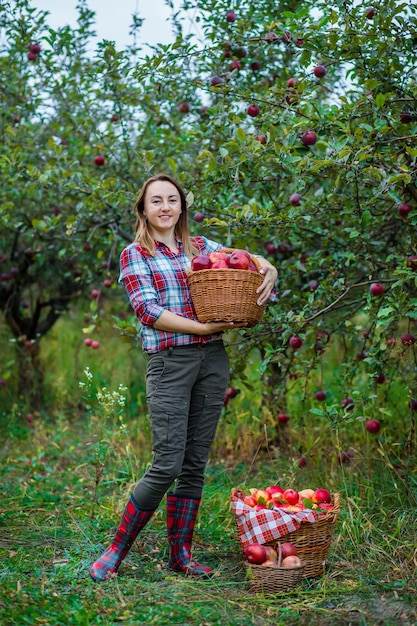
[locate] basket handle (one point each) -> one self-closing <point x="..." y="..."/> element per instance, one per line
<point x="279" y="553"/>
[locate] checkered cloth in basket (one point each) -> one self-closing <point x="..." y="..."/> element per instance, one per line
<point x="268" y="524"/>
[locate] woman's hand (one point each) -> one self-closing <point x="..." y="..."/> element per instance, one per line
<point x="271" y="274"/>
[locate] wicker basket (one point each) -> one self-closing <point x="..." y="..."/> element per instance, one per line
<point x="227" y="295"/>
<point x="273" y="579"/>
<point x="313" y="540"/>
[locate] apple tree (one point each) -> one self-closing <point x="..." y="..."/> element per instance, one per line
<point x="292" y="123"/>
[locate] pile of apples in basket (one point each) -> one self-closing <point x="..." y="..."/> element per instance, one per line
<point x="237" y="260"/>
<point x="275" y="497"/>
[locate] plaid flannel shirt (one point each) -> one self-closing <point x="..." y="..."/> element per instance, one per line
<point x="155" y="283"/>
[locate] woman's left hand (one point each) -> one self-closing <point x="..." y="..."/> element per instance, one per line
<point x="269" y="282"/>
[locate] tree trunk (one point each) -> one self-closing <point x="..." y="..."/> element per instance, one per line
<point x="30" y="376"/>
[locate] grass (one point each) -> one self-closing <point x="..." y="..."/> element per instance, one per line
<point x="56" y="517"/>
<point x="65" y="479"/>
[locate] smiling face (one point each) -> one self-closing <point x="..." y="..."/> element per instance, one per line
<point x="162" y="207"/>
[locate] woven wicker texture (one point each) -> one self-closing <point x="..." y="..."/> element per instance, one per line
<point x="227" y="295"/>
<point x="273" y="579"/>
<point x="313" y="540"/>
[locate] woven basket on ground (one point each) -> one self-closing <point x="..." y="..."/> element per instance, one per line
<point x="227" y="295"/>
<point x="313" y="540"/>
<point x="273" y="579"/>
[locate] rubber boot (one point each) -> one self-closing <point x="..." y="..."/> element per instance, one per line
<point x="133" y="520"/>
<point x="181" y="516"/>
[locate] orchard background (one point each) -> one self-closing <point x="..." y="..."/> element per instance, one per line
<point x="292" y="126"/>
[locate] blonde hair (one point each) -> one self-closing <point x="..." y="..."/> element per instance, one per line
<point x="143" y="236"/>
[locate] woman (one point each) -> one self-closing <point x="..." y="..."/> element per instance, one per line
<point x="187" y="372"/>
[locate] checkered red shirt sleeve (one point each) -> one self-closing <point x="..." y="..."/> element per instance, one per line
<point x="140" y="285"/>
<point x="159" y="282"/>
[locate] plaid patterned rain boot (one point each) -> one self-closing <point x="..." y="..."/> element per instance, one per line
<point x="133" y="520"/>
<point x="181" y="516"/>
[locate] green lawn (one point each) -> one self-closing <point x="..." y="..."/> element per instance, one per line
<point x="62" y="493"/>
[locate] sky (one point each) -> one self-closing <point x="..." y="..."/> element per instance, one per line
<point x="114" y="17"/>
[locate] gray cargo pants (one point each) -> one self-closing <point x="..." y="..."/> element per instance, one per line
<point x="185" y="389"/>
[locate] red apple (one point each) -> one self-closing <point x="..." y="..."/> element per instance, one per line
<point x="88" y="341"/>
<point x="295" y="342"/>
<point x="291" y="496"/>
<point x="302" y="461"/>
<point x="32" y="56"/>
<point x="295" y="199"/>
<point x="271" y="555"/>
<point x="272" y="489"/>
<point x="288" y="549"/>
<point x="219" y="265"/>
<point x="240" y="52"/>
<point x="253" y="110"/>
<point x="320" y="71"/>
<point x="291" y="562"/>
<point x="218" y="256"/>
<point x="199" y="217"/>
<point x="255" y="553"/>
<point x="282" y="418"/>
<point x="270" y="248"/>
<point x="407" y="339"/>
<point x="200" y="262"/>
<point x="271" y="38"/>
<point x="250" y="500"/>
<point x="255" y="66"/>
<point x="232" y="392"/>
<point x="183" y="106"/>
<point x="216" y="80"/>
<point x="231" y="17"/>
<point x="35" y="48"/>
<point x="306" y="494"/>
<point x="239" y="261"/>
<point x="325" y="506"/>
<point x="107" y="282"/>
<point x="235" y="65"/>
<point x="321" y="495"/>
<point x="291" y="82"/>
<point x="373" y="426"/>
<point x="309" y="138"/>
<point x="370" y="13"/>
<point x="320" y="396"/>
<point x="376" y="289"/>
<point x="99" y="160"/>
<point x="380" y="378"/>
<point x="95" y="345"/>
<point x="347" y="403"/>
<point x="261" y="139"/>
<point x="404" y="209"/>
<point x="412" y="261"/>
<point x="262" y="496"/>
